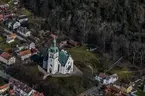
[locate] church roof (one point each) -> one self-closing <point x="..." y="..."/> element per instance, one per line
<point x="63" y="57"/>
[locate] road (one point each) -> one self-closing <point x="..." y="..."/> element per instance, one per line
<point x="94" y="91"/>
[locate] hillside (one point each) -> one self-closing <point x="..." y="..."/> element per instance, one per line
<point x="116" y="26"/>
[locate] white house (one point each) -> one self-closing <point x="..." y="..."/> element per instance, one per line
<point x="11" y="38"/>
<point x="105" y="80"/>
<point x="13" y="24"/>
<point x="7" y="58"/>
<point x="24" y="31"/>
<point x="58" y="61"/>
<point x="21" y="47"/>
<point x="21" y="89"/>
<point x="24" y="54"/>
<point x="22" y="18"/>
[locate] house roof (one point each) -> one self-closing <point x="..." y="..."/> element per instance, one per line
<point x="22" y="17"/>
<point x="5" y="55"/>
<point x="4" y="86"/>
<point x="37" y="94"/>
<point x="20" y="85"/>
<point x="12" y="36"/>
<point x="33" y="50"/>
<point x="53" y="35"/>
<point x="23" y="29"/>
<point x="63" y="57"/>
<point x="25" y="52"/>
<point x="102" y="75"/>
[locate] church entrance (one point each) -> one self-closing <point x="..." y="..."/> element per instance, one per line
<point x="50" y="70"/>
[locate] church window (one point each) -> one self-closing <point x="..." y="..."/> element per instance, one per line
<point x="51" y="65"/>
<point x="68" y="68"/>
<point x="51" y="55"/>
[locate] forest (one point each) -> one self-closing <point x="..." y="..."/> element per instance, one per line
<point x="117" y="27"/>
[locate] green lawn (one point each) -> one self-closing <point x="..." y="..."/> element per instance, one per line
<point x="4" y="45"/>
<point x="26" y="12"/>
<point x="6" y="1"/>
<point x="140" y="92"/>
<point x="1" y="38"/>
<point x="33" y="69"/>
<point x="80" y="54"/>
<point x="123" y="73"/>
<point x="2" y="82"/>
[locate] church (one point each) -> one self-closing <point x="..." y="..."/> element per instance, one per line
<point x="58" y="61"/>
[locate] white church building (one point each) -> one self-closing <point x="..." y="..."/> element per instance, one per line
<point x="58" y="61"/>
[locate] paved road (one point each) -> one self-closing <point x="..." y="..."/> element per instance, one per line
<point x="94" y="91"/>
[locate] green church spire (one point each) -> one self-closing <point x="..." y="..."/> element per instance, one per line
<point x="54" y="48"/>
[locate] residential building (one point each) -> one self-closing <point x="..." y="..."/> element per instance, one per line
<point x="4" y="7"/>
<point x="37" y="94"/>
<point x="73" y="43"/>
<point x="3" y="86"/>
<point x="53" y="35"/>
<point x="105" y="80"/>
<point x="11" y="38"/>
<point x="21" y="89"/>
<point x="7" y="58"/>
<point x="22" y="18"/>
<point x="21" y="47"/>
<point x="12" y="24"/>
<point x="62" y="44"/>
<point x="1" y="17"/>
<point x="24" y="54"/>
<point x="24" y="31"/>
<point x="15" y="2"/>
<point x="32" y="45"/>
<point x="112" y="90"/>
<point x="58" y="61"/>
<point x="127" y="88"/>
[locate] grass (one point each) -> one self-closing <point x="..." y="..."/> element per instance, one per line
<point x="1" y="38"/>
<point x="81" y="54"/>
<point x="33" y="69"/>
<point x="4" y="45"/>
<point x="2" y="82"/>
<point x="5" y="1"/>
<point x="26" y="12"/>
<point x="123" y="73"/>
<point x="140" y="92"/>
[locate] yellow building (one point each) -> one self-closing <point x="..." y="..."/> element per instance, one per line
<point x="126" y="88"/>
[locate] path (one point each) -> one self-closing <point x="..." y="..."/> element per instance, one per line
<point x="4" y="75"/>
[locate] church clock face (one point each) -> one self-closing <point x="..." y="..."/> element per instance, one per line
<point x="51" y="55"/>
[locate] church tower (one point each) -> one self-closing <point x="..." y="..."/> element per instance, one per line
<point x="53" y="53"/>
